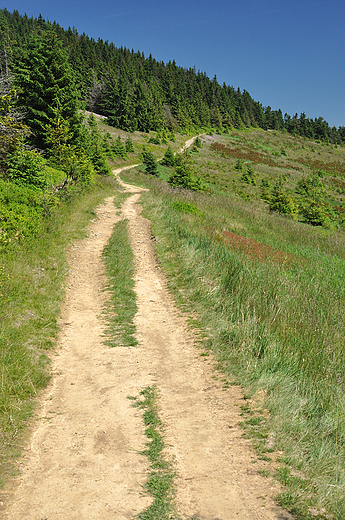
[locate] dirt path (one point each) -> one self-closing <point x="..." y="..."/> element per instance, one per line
<point x="82" y="461"/>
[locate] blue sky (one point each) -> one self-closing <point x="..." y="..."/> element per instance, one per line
<point x="288" y="54"/>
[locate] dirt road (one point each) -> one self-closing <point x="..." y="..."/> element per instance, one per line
<point x="82" y="461"/>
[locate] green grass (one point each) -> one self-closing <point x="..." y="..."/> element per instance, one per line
<point x="269" y="293"/>
<point x="121" y="307"/>
<point x="32" y="275"/>
<point x="160" y="483"/>
<point x="139" y="139"/>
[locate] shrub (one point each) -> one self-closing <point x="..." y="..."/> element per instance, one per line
<point x="169" y="158"/>
<point x="149" y="162"/>
<point x="26" y="167"/>
<point x="185" y="177"/>
<point x="21" y="212"/>
<point x="186" y="207"/>
<point x="282" y="202"/>
<point x="129" y="145"/>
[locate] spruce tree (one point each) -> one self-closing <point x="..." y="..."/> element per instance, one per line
<point x="149" y="162"/>
<point x="129" y="145"/>
<point x="169" y="158"/>
<point x="12" y="128"/>
<point x="239" y="165"/>
<point x="119" y="149"/>
<point x="57" y="133"/>
<point x="46" y="80"/>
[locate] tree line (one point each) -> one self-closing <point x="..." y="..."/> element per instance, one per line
<point x="140" y="93"/>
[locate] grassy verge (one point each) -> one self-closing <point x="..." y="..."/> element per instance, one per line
<point x="160" y="481"/>
<point x="271" y="306"/>
<point x="121" y="308"/>
<point x="32" y="275"/>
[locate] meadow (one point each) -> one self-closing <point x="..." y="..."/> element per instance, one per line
<point x="263" y="287"/>
<point x="265" y="292"/>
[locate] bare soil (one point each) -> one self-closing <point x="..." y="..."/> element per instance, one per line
<point x="82" y="461"/>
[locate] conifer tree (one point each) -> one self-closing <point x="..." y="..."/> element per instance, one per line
<point x="57" y="132"/>
<point x="184" y="176"/>
<point x="46" y="79"/>
<point x="169" y="157"/>
<point x="135" y="93"/>
<point x="96" y="149"/>
<point x="12" y="128"/>
<point x="149" y="162"/>
<point x="119" y="149"/>
<point x="129" y="145"/>
<point x="239" y="165"/>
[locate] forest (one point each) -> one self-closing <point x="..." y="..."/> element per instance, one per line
<point x="135" y="92"/>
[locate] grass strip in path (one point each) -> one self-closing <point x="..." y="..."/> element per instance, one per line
<point x="160" y="484"/>
<point x="121" y="307"/>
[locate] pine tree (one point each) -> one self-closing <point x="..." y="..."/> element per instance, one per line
<point x="12" y="128"/>
<point x="149" y="162"/>
<point x="46" y="80"/>
<point x="169" y="157"/>
<point x="239" y="165"/>
<point x="57" y="133"/>
<point x="129" y="145"/>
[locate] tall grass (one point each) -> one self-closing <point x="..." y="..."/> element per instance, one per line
<point x="32" y="275"/>
<point x="273" y="324"/>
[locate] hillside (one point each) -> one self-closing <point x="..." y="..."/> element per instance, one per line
<point x="247" y="225"/>
<point x="139" y="93"/>
<point x="265" y="291"/>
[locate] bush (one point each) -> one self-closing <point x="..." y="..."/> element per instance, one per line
<point x="282" y="202"/>
<point x="21" y="212"/>
<point x="185" y="177"/>
<point x="149" y="162"/>
<point x="26" y="167"/>
<point x="186" y="207"/>
<point x="169" y="158"/>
